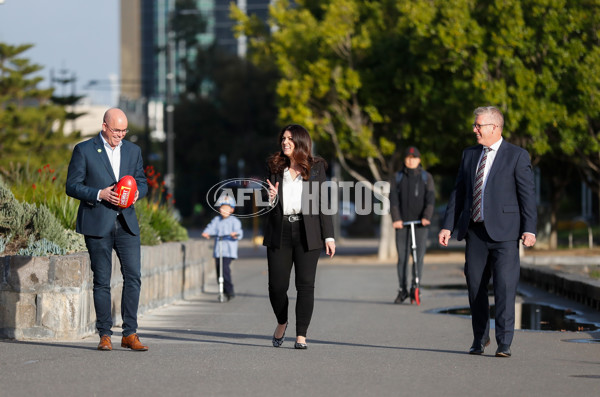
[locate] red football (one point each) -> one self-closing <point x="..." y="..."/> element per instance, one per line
<point x="126" y="189"/>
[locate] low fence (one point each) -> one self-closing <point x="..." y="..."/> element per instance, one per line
<point x="51" y="297"/>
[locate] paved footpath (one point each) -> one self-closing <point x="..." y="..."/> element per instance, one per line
<point x="360" y="344"/>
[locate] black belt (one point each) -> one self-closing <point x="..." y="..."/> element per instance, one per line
<point x="292" y="218"/>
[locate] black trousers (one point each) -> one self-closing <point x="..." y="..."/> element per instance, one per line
<point x="404" y="247"/>
<point x="485" y="258"/>
<point x="280" y="262"/>
<point x="227" y="282"/>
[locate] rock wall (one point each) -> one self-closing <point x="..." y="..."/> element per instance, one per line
<point x="51" y="297"/>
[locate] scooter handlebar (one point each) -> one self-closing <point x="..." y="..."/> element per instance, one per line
<point x="220" y="236"/>
<point x="412" y="223"/>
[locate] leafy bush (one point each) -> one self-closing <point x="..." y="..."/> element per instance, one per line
<point x="3" y="242"/>
<point x="158" y="209"/>
<point x="32" y="229"/>
<point x="44" y="186"/>
<point x="163" y="221"/>
<point x="148" y="235"/>
<point x="38" y="218"/>
<point x="41" y="247"/>
<point x="75" y="241"/>
<point x="47" y="227"/>
<point x="14" y="216"/>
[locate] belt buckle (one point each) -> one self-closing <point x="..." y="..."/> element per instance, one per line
<point x="293" y="218"/>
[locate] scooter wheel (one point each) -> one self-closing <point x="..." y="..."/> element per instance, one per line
<point x="222" y="298"/>
<point x="417" y="296"/>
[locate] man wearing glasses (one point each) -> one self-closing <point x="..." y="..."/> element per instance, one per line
<point x="96" y="166"/>
<point x="492" y="207"/>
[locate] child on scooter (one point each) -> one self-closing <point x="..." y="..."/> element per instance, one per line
<point x="229" y="229"/>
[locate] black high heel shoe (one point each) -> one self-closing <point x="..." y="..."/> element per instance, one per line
<point x="279" y="341"/>
<point x="300" y="345"/>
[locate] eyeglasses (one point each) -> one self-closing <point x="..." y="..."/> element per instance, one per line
<point x="478" y="126"/>
<point x="125" y="131"/>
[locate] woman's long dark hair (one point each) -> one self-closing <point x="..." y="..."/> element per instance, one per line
<point x="278" y="161"/>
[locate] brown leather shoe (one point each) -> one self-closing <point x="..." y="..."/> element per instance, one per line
<point x="133" y="342"/>
<point x="105" y="343"/>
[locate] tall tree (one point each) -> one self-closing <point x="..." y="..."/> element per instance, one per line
<point x="366" y="80"/>
<point x="31" y="126"/>
<point x="538" y="60"/>
<point x="370" y="76"/>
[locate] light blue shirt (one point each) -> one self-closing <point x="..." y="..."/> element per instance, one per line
<point x="220" y="226"/>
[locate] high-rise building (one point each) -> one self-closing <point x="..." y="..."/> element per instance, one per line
<point x="144" y="41"/>
<point x="152" y="75"/>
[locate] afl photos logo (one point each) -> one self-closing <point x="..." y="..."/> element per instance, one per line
<point x="249" y="196"/>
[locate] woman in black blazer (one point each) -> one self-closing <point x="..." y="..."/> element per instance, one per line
<point x="296" y="228"/>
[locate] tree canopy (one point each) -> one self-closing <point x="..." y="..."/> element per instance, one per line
<point x="371" y="76"/>
<point x="31" y="125"/>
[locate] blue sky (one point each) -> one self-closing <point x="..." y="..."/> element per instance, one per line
<point x="81" y="36"/>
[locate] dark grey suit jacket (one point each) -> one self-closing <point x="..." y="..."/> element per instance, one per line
<point x="89" y="172"/>
<point x="509" y="196"/>
<point x="317" y="226"/>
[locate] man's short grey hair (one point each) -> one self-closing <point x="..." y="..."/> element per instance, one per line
<point x="492" y="111"/>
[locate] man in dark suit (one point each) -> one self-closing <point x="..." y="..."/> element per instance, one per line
<point x="96" y="166"/>
<point x="492" y="207"/>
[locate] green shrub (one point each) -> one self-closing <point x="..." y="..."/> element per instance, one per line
<point x="75" y="241"/>
<point x="15" y="217"/>
<point x="41" y="247"/>
<point x="39" y="214"/>
<point x="148" y="235"/>
<point x="3" y="242"/>
<point x="167" y="226"/>
<point x="33" y="226"/>
<point x="47" y="227"/>
<point x="64" y="209"/>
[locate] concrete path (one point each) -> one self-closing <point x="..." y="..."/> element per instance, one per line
<point x="360" y="344"/>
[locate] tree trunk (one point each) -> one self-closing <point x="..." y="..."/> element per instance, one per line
<point x="559" y="185"/>
<point x="387" y="240"/>
<point x="553" y="227"/>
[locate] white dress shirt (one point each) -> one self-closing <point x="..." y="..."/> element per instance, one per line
<point x="491" y="156"/>
<point x="114" y="156"/>
<point x="292" y="195"/>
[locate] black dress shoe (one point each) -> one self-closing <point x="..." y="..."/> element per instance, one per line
<point x="300" y="345"/>
<point x="279" y="341"/>
<point x="402" y="295"/>
<point x="478" y="346"/>
<point x="503" y="350"/>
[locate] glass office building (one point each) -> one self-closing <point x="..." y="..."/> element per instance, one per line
<point x="144" y="38"/>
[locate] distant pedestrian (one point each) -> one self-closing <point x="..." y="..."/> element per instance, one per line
<point x="492" y="207"/>
<point x="227" y="231"/>
<point x="96" y="166"/>
<point x="412" y="198"/>
<point x="296" y="229"/>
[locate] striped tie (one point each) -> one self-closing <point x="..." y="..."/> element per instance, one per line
<point x="478" y="189"/>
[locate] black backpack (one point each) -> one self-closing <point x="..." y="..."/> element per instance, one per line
<point x="400" y="175"/>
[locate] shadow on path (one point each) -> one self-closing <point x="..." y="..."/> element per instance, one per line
<point x="228" y="335"/>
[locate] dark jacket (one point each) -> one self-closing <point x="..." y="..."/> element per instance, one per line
<point x="89" y="172"/>
<point x="317" y="226"/>
<point x="413" y="198"/>
<point x="509" y="205"/>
